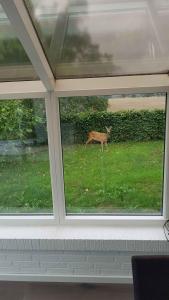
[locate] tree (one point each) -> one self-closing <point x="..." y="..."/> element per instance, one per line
<point x="83" y="104"/>
<point x="20" y="118"/>
<point x="12" y="52"/>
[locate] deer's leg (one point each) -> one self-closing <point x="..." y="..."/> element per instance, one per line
<point x="89" y="140"/>
<point x="102" y="146"/>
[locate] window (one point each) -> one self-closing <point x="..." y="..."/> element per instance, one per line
<point x="113" y="153"/>
<point x="88" y="97"/>
<point x="24" y="159"/>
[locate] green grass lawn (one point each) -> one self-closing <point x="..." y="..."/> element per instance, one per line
<point x="25" y="183"/>
<point x="126" y="177"/>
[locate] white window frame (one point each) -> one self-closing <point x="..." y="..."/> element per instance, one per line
<point x="108" y="86"/>
<point x="83" y="87"/>
<point x="30" y="90"/>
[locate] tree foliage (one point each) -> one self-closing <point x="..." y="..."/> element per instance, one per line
<point x="83" y="104"/>
<point x="12" y="52"/>
<point x="18" y="118"/>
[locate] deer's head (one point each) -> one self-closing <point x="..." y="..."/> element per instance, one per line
<point x="108" y="129"/>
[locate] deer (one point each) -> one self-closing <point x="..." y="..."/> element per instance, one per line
<point x="99" y="136"/>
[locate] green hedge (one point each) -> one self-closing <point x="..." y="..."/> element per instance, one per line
<point x="126" y="126"/>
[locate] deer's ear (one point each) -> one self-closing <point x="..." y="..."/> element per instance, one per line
<point x="106" y="127"/>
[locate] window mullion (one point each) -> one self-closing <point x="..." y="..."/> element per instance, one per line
<point x="55" y="152"/>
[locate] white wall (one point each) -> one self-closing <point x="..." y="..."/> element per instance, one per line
<point x="73" y="260"/>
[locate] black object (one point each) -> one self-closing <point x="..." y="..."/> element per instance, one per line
<point x="151" y="277"/>
<point x="166" y="230"/>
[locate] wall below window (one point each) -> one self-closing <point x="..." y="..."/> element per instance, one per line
<point x="68" y="265"/>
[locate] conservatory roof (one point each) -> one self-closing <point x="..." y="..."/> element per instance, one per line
<point x="82" y="39"/>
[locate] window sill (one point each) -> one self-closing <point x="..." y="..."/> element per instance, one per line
<point x="89" y="238"/>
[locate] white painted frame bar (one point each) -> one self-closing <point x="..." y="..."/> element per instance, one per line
<point x="20" y="20"/>
<point x="55" y="153"/>
<point x="22" y="90"/>
<point x="112" y="85"/>
<point x="87" y="86"/>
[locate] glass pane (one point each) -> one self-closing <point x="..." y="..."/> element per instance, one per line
<point x="24" y="160"/>
<point x="84" y="38"/>
<point x="14" y="62"/>
<point x="113" y="151"/>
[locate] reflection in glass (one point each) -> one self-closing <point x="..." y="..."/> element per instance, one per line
<point x="14" y="62"/>
<point x="24" y="161"/>
<point x="102" y="38"/>
<point x="113" y="149"/>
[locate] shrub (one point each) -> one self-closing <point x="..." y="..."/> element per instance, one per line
<point x="21" y="119"/>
